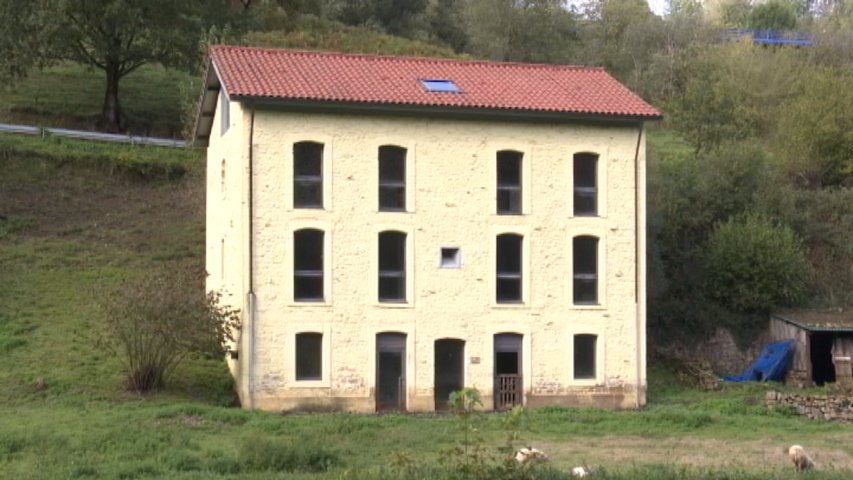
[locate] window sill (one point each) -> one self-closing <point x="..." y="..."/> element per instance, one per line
<point x="588" y="306"/>
<point x="585" y="382"/>
<point x="393" y="304"/>
<point x="310" y="304"/>
<point x="510" y="305"/>
<point x="309" y="384"/>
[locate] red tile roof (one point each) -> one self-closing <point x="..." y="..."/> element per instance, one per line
<point x="373" y="79"/>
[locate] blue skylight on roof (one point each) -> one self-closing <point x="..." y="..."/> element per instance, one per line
<point x="441" y="86"/>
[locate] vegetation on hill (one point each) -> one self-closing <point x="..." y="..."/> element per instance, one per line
<point x="755" y="145"/>
<point x="73" y="229"/>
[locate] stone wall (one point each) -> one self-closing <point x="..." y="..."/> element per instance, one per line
<point x="838" y="408"/>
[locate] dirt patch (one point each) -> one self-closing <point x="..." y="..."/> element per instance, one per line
<point x="833" y="452"/>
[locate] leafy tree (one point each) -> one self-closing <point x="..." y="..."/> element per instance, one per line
<point x="155" y="322"/>
<point x="754" y="264"/>
<point x="115" y="36"/>
<point x="447" y="23"/>
<point x="734" y="13"/>
<point x="621" y="36"/>
<point x="773" y="15"/>
<point x="397" y="17"/>
<point x="732" y="92"/>
<point x="815" y="133"/>
<point x="528" y="30"/>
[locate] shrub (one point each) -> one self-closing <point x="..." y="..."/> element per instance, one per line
<point x="154" y="322"/>
<point x="753" y="264"/>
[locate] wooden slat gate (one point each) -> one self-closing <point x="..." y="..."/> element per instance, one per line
<point x="509" y="391"/>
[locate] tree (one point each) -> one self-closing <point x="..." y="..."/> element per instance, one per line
<point x="524" y="31"/>
<point x="115" y="36"/>
<point x="754" y="264"/>
<point x="773" y="15"/>
<point x="153" y="323"/>
<point x="815" y="134"/>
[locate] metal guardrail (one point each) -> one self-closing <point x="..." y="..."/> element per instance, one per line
<point x="97" y="136"/>
<point x="768" y="37"/>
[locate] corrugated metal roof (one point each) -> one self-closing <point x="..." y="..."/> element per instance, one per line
<point x="819" y="321"/>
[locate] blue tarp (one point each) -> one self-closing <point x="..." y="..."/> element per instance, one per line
<point x="772" y="364"/>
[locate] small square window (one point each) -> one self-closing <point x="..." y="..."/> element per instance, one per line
<point x="440" y="86"/>
<point x="451" y="257"/>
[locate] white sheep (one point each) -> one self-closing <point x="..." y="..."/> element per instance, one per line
<point x="802" y="461"/>
<point x="530" y="454"/>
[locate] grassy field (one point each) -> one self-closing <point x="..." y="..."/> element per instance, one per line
<point x="155" y="99"/>
<point x="75" y="225"/>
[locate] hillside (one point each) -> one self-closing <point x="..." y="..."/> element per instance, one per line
<point x="77" y="217"/>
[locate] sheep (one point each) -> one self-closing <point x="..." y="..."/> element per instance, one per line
<point x="801" y="459"/>
<point x="582" y="472"/>
<point x="530" y="454"/>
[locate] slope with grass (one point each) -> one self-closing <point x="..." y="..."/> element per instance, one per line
<point x="74" y="224"/>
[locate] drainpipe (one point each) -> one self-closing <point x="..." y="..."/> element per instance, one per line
<point x="250" y="296"/>
<point x="640" y="266"/>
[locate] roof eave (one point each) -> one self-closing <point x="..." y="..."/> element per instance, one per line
<point x="814" y="328"/>
<point x="206" y="106"/>
<point x="441" y="111"/>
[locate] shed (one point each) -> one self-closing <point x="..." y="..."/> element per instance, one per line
<point x="824" y="344"/>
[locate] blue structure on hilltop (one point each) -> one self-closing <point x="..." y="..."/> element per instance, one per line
<point x="768" y="37"/>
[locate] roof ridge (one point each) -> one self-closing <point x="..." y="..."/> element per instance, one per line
<point x="386" y="57"/>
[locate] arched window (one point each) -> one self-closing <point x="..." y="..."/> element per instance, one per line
<point x="392" y="266"/>
<point x="308" y="265"/>
<point x="307" y="175"/>
<point x="585" y="270"/>
<point x="309" y="356"/>
<point x="509" y="182"/>
<point x="508" y="268"/>
<point x="392" y="178"/>
<point x="584" y="356"/>
<point x="586" y="184"/>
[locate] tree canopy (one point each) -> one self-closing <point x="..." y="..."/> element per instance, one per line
<point x="115" y="36"/>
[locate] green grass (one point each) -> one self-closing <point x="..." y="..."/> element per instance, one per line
<point x="69" y="95"/>
<point x="141" y="161"/>
<point x="72" y="230"/>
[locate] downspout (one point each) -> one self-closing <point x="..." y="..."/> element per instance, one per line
<point x="250" y="296"/>
<point x="639" y="297"/>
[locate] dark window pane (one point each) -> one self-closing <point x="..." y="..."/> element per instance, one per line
<point x="509" y="254"/>
<point x="509" y="200"/>
<point x="585" y="290"/>
<point x="585" y="255"/>
<point x="586" y="184"/>
<point x="584" y="357"/>
<point x="508" y="290"/>
<point x="392" y="266"/>
<point x="585" y="202"/>
<point x="308" y="175"/>
<point x="509" y="168"/>
<point x="585" y="269"/>
<point x="308" y="265"/>
<point x="508" y="267"/>
<point x="509" y="182"/>
<point x="309" y="356"/>
<point x="392" y="178"/>
<point x="392" y="198"/>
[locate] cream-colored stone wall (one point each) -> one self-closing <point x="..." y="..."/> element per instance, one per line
<point x="451" y="203"/>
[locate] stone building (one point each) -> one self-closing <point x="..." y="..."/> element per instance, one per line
<point x="394" y="228"/>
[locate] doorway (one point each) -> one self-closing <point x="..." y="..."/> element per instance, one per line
<point x="507" y="370"/>
<point x="820" y="347"/>
<point x="391" y="371"/>
<point x="449" y="369"/>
